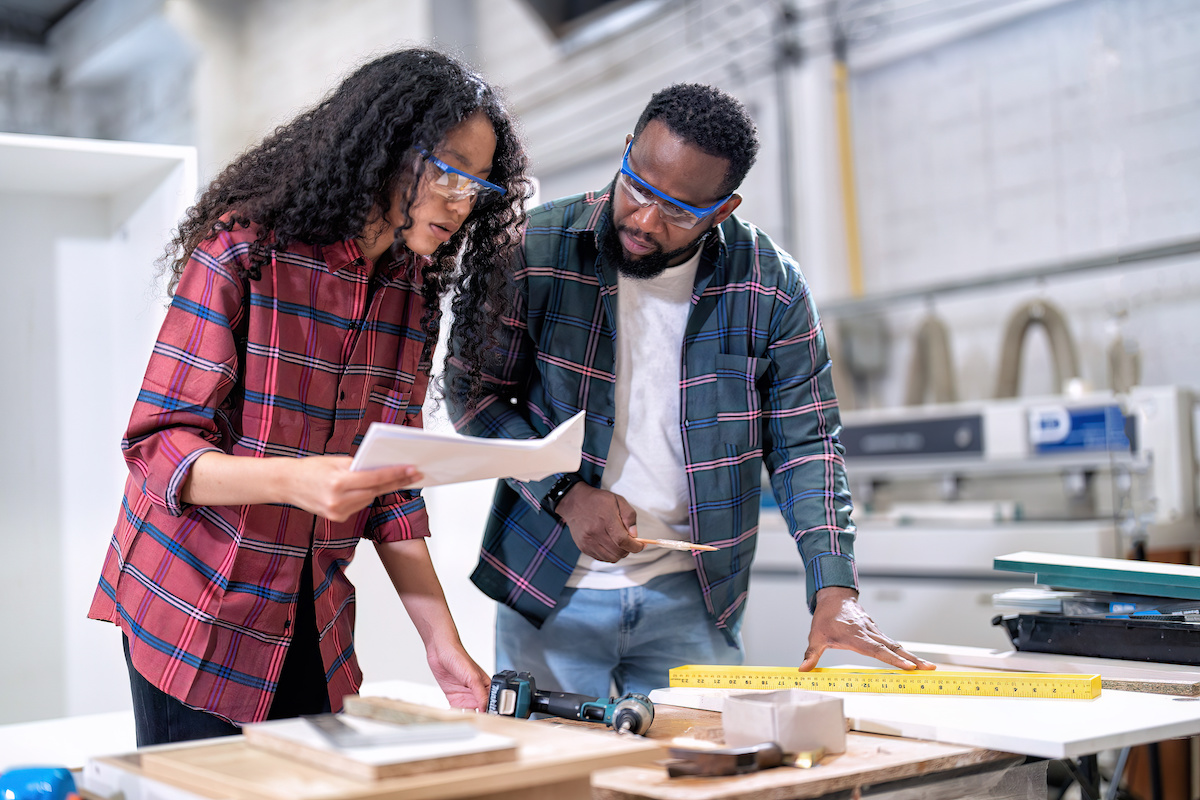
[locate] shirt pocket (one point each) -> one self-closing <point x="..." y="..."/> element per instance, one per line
<point x="388" y="405"/>
<point x="739" y="410"/>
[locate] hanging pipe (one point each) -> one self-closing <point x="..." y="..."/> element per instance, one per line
<point x="841" y="94"/>
<point x="931" y="368"/>
<point x="1062" y="346"/>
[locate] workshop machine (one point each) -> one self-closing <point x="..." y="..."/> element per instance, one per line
<point x="1124" y="459"/>
<point x="940" y="490"/>
<point x="515" y="694"/>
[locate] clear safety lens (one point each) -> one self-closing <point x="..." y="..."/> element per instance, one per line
<point x="670" y="212"/>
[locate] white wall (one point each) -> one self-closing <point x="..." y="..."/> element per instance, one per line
<point x="29" y="575"/>
<point x="283" y="56"/>
<point x="1063" y="135"/>
<point x="1015" y="136"/>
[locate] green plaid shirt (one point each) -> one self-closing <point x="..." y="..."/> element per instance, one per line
<point x="755" y="388"/>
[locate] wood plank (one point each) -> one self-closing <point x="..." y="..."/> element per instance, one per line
<point x="547" y="756"/>
<point x="869" y="759"/>
<point x="1106" y="574"/>
<point x="299" y="739"/>
<point x="133" y="782"/>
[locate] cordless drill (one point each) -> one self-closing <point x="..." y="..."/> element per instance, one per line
<point x="515" y="694"/>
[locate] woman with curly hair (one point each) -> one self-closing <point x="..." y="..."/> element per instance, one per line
<point x="306" y="287"/>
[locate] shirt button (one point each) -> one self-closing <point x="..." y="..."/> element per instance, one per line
<point x="287" y="624"/>
<point x="341" y="395"/>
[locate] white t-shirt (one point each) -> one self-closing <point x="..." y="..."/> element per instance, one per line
<point x="645" y="461"/>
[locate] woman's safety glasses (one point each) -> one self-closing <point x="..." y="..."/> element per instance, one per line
<point x="454" y="184"/>
<point x="673" y="211"/>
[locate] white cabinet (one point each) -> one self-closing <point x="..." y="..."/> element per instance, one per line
<point x="81" y="224"/>
<point x="920" y="583"/>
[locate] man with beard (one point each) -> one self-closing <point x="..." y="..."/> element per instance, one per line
<point x="694" y="345"/>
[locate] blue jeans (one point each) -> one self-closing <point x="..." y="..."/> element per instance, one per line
<point x="608" y="642"/>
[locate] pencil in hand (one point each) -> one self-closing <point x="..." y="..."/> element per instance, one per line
<point x="676" y="544"/>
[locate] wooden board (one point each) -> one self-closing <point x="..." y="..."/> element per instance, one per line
<point x="1127" y="676"/>
<point x="552" y="761"/>
<point x="869" y="759"/>
<point x="299" y="739"/>
<point x="1045" y="728"/>
<point x="1106" y="574"/>
<point x="124" y="776"/>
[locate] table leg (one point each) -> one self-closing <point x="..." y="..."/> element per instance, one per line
<point x="1087" y="775"/>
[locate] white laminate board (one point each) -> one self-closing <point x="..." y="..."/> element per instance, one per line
<point x="67" y="742"/>
<point x="1145" y="676"/>
<point x="1035" y="727"/>
<point x="1046" y="728"/>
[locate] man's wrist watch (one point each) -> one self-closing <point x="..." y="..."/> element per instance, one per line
<point x="559" y="490"/>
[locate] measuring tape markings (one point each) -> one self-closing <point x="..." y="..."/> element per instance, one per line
<point x="937" y="682"/>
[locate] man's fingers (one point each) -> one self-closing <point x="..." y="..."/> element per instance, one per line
<point x="811" y="656"/>
<point x="602" y="547"/>
<point x="891" y="652"/>
<point x="919" y="662"/>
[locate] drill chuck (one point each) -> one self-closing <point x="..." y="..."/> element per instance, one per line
<point x="633" y="713"/>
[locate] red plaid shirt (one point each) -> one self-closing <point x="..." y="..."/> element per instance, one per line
<point x="301" y="366"/>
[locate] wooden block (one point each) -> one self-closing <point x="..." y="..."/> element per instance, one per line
<point x="300" y="739"/>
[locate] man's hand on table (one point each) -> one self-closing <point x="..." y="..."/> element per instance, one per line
<point x="840" y="623"/>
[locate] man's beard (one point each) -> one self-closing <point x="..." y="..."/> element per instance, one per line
<point x="648" y="266"/>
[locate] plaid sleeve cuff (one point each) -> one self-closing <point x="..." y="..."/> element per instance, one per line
<point x="535" y="492"/>
<point x="829" y="569"/>
<point x="170" y="498"/>
<point x="398" y="517"/>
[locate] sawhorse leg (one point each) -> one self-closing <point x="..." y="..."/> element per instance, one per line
<point x="1086" y="772"/>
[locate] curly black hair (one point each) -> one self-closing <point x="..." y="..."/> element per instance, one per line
<point x="324" y="176"/>
<point x="712" y="120"/>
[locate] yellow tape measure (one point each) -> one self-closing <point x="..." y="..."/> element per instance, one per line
<point x="891" y="681"/>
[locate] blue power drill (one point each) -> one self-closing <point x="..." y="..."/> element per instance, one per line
<point x="515" y="694"/>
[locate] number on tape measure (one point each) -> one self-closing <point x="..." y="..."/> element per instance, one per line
<point x="891" y="681"/>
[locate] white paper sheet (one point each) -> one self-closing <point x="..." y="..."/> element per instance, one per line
<point x="450" y="458"/>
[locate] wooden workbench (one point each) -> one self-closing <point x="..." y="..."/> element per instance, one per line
<point x="869" y="760"/>
<point x="555" y="761"/>
<point x="551" y="763"/>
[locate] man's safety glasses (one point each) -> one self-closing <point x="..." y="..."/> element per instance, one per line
<point x="454" y="184"/>
<point x="673" y="211"/>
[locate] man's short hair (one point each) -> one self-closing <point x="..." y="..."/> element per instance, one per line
<point x="712" y="120"/>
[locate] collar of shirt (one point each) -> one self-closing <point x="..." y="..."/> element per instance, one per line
<point x="347" y="254"/>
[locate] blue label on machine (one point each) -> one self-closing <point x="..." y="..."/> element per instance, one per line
<point x="1056" y="429"/>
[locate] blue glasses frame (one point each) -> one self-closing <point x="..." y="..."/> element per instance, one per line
<point x="444" y="167"/>
<point x="698" y="213"/>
